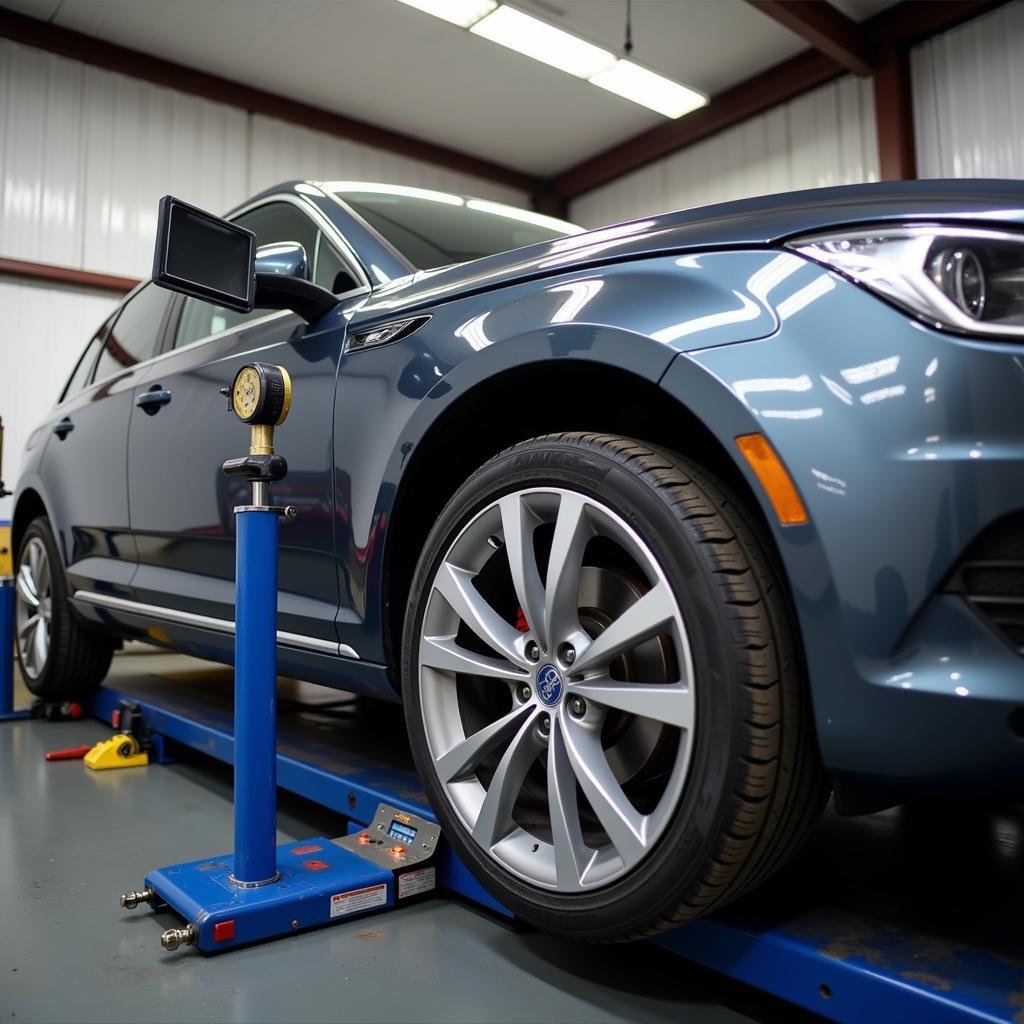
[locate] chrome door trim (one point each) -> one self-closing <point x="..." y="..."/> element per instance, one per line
<point x="182" y="618"/>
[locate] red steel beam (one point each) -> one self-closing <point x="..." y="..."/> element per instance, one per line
<point x="66" y="275"/>
<point x="894" y="115"/>
<point x="762" y="92"/>
<point x="825" y="27"/>
<point x="901" y="25"/>
<point x="91" y="50"/>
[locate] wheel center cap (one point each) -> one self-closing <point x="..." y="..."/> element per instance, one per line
<point x="549" y="684"/>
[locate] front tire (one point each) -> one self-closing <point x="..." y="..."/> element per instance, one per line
<point x="59" y="658"/>
<point x="601" y="689"/>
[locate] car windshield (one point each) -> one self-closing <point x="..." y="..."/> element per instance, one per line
<point x="433" y="229"/>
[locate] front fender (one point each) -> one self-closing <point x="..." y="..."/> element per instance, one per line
<point x="632" y="318"/>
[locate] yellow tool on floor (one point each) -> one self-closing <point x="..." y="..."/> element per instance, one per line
<point x="120" y="751"/>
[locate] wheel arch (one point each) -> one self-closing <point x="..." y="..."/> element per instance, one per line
<point x="565" y="395"/>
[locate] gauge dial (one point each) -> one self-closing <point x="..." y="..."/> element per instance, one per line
<point x="246" y="393"/>
<point x="261" y="394"/>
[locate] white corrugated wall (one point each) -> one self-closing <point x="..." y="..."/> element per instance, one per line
<point x="969" y="98"/>
<point x="85" y="154"/>
<point x="826" y="137"/>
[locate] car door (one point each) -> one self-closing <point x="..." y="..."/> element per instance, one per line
<point x="182" y="504"/>
<point x="83" y="465"/>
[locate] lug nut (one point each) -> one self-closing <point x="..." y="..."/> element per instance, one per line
<point x="545" y="724"/>
<point x="130" y="900"/>
<point x="568" y="654"/>
<point x="175" y="937"/>
<point x="578" y="707"/>
<point x="525" y="693"/>
<point x="533" y="651"/>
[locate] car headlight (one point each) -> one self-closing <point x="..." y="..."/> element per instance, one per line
<point x="969" y="280"/>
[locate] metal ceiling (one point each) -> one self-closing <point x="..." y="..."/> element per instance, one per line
<point x="391" y="65"/>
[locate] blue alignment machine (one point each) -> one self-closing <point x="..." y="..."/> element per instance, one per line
<point x="262" y="890"/>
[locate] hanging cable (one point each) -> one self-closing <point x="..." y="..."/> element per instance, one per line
<point x="627" y="46"/>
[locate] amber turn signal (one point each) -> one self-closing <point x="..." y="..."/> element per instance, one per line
<point x="777" y="483"/>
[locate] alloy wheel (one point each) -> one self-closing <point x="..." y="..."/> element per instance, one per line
<point x="557" y="689"/>
<point x="33" y="608"/>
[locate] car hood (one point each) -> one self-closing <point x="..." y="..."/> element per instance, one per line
<point x="747" y="223"/>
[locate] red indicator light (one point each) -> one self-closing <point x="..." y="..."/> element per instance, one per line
<point x="397" y="851"/>
<point x="223" y="931"/>
<point x="364" y="839"/>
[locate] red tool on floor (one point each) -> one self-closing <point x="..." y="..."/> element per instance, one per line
<point x="69" y="753"/>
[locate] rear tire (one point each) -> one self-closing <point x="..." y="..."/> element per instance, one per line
<point x="59" y="658"/>
<point x="753" y="784"/>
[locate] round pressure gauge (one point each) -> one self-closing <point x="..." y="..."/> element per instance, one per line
<point x="261" y="394"/>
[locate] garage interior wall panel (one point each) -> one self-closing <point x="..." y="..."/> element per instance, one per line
<point x="281" y="151"/>
<point x="969" y="98"/>
<point x="826" y="137"/>
<point x="85" y="155"/>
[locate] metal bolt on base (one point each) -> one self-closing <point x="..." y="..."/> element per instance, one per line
<point x="130" y="900"/>
<point x="175" y="937"/>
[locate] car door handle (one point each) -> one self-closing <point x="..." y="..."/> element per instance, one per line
<point x="64" y="428"/>
<point x="151" y="400"/>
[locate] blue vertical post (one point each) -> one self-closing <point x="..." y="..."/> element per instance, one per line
<point x="7" y="584"/>
<point x="6" y="646"/>
<point x="256" y="697"/>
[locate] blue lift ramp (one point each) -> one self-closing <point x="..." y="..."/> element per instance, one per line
<point x="910" y="915"/>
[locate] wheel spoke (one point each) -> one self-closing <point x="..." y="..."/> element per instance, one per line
<point x="467" y="754"/>
<point x="33" y="558"/>
<point x="517" y="524"/>
<point x="40" y="644"/>
<point x="495" y="818"/>
<point x="671" y="703"/>
<point x="623" y="823"/>
<point x="457" y="588"/>
<point x="43" y="576"/>
<point x="27" y="586"/>
<point x="27" y="626"/>
<point x="637" y="623"/>
<point x="561" y="598"/>
<point x="571" y="854"/>
<point x="442" y="652"/>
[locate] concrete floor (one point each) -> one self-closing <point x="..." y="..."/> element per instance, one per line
<point x="72" y="840"/>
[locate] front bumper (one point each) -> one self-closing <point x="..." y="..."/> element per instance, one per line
<point x="905" y="444"/>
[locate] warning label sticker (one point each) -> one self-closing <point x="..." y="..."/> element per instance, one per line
<point x="414" y="882"/>
<point x="353" y="902"/>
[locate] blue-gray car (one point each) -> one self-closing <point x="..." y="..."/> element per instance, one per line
<point x="662" y="532"/>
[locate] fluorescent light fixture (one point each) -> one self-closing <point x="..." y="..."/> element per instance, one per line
<point x="528" y="216"/>
<point x="559" y="49"/>
<point x="459" y="12"/>
<point x="393" y="190"/>
<point x="662" y="95"/>
<point x="543" y="42"/>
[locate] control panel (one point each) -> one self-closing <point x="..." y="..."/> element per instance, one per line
<point x="395" y="839"/>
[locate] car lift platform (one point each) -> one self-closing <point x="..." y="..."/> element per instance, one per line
<point x="915" y="914"/>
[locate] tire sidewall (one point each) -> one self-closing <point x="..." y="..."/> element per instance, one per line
<point x="46" y="684"/>
<point x="632" y="902"/>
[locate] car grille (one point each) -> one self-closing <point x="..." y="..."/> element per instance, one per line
<point x="991" y="577"/>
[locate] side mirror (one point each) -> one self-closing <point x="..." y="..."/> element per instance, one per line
<point x="282" y="282"/>
<point x="212" y="259"/>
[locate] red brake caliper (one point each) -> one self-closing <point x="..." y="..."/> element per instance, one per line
<point x="521" y="624"/>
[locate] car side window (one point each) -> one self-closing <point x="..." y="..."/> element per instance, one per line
<point x="135" y="333"/>
<point x="82" y="373"/>
<point x="275" y="222"/>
